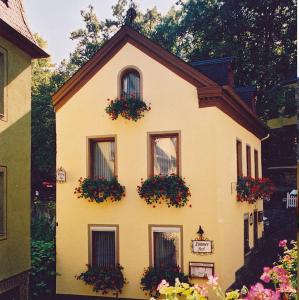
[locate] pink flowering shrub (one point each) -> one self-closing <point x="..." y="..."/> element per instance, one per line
<point x="282" y="275"/>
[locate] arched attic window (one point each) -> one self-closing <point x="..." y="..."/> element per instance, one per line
<point x="130" y="84"/>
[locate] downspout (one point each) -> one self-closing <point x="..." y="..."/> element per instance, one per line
<point x="266" y="137"/>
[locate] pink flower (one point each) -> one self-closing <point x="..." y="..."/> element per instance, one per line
<point x="213" y="280"/>
<point x="258" y="292"/>
<point x="286" y="288"/>
<point x="282" y="243"/>
<point x="201" y="290"/>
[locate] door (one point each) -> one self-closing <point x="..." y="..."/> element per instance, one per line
<point x="246" y="234"/>
<point x="255" y="234"/>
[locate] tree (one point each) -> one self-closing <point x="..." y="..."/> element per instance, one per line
<point x="43" y="139"/>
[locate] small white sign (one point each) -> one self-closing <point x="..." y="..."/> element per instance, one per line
<point x="202" y="246"/>
<point x="61" y="175"/>
<point x="201" y="270"/>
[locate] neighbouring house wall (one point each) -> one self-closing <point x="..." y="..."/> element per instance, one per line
<point x="204" y="165"/>
<point x="15" y="142"/>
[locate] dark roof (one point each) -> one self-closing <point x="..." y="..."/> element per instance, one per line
<point x="14" y="27"/>
<point x="246" y="93"/>
<point x="216" y="69"/>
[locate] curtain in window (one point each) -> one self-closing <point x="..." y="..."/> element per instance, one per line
<point x="165" y="156"/>
<point x="166" y="249"/>
<point x="2" y="206"/>
<point x="131" y="84"/>
<point x="103" y="248"/>
<point x="103" y="159"/>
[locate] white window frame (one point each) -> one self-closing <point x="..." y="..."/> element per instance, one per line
<point x="113" y="228"/>
<point x="3" y="170"/>
<point x="166" y="228"/>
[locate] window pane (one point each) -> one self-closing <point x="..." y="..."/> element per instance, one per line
<point x="103" y="159"/>
<point x="2" y="203"/>
<point x="2" y="84"/>
<point x="131" y="84"/>
<point x="256" y="164"/>
<point x="165" y="155"/>
<point x="166" y="249"/>
<point x="103" y="248"/>
<point x="248" y="160"/>
<point x="239" y="159"/>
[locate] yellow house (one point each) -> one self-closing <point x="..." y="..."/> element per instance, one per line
<point x="17" y="49"/>
<point x="196" y="129"/>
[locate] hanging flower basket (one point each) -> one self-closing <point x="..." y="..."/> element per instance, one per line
<point x="130" y="108"/>
<point x="104" y="279"/>
<point x="152" y="277"/>
<point x="250" y="189"/>
<point x="100" y="189"/>
<point x="171" y="189"/>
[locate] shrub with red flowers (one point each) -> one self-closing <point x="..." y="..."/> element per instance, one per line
<point x="104" y="279"/>
<point x="169" y="188"/>
<point x="250" y="189"/>
<point x="130" y="108"/>
<point x="100" y="189"/>
<point x="152" y="277"/>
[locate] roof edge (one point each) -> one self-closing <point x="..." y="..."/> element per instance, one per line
<point x="127" y="35"/>
<point x="21" y="41"/>
<point x="226" y="99"/>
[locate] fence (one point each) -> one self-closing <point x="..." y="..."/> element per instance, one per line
<point x="291" y="200"/>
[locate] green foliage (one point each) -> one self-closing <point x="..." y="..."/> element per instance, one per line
<point x="152" y="277"/>
<point x="104" y="279"/>
<point x="43" y="133"/>
<point x="43" y="274"/>
<point x="42" y="279"/>
<point x="43" y="220"/>
<point x="169" y="188"/>
<point x="129" y="108"/>
<point x="100" y="189"/>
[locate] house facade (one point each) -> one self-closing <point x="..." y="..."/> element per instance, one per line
<point x="17" y="49"/>
<point x="196" y="128"/>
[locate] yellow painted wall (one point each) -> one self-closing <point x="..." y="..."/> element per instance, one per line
<point x="15" y="155"/>
<point x="208" y="160"/>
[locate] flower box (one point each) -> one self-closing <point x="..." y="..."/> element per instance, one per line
<point x="104" y="279"/>
<point x="152" y="276"/>
<point x="171" y="189"/>
<point x="100" y="189"/>
<point x="250" y="189"/>
<point x="129" y="107"/>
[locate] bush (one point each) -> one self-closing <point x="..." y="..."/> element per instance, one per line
<point x="170" y="188"/>
<point x="42" y="280"/>
<point x="104" y="279"/>
<point x="100" y="189"/>
<point x="152" y="277"/>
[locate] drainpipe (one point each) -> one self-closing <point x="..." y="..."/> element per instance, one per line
<point x="266" y="137"/>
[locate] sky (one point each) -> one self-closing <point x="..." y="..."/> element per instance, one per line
<point x="55" y="19"/>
